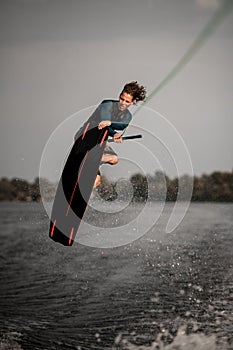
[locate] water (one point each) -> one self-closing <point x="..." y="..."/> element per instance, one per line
<point x="164" y="291"/>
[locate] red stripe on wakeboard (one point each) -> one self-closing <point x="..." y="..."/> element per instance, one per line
<point x="86" y="128"/>
<point x="71" y="235"/>
<point x="52" y="231"/>
<point x="79" y="174"/>
<point x="105" y="133"/>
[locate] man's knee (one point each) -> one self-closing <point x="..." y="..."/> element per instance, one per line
<point x="113" y="160"/>
<point x="109" y="158"/>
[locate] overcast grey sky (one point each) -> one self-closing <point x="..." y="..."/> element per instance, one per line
<point x="60" y="56"/>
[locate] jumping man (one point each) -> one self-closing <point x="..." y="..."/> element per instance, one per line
<point x="115" y="115"/>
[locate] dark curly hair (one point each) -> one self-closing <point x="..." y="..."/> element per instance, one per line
<point x="138" y="92"/>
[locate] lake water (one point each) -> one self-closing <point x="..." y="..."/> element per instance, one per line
<point x="163" y="291"/>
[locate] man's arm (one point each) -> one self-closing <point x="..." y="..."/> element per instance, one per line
<point x="105" y="112"/>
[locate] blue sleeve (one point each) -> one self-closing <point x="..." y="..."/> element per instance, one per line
<point x="105" y="109"/>
<point x="111" y="131"/>
<point x="120" y="125"/>
<point x="105" y="113"/>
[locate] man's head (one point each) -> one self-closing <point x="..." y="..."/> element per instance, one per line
<point x="131" y="93"/>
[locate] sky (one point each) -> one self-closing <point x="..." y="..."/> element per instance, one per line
<point x="59" y="57"/>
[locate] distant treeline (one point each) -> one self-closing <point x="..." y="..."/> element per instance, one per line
<point x="19" y="190"/>
<point x="216" y="187"/>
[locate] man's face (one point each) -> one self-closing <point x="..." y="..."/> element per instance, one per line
<point x="125" y="101"/>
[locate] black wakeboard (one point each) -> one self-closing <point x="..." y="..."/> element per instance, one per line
<point x="76" y="184"/>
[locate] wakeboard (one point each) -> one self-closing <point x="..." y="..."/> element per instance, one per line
<point x="76" y="184"/>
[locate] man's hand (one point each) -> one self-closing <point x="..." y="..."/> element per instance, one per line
<point x="117" y="138"/>
<point x="103" y="124"/>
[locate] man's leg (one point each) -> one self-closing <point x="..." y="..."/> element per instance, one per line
<point x="97" y="180"/>
<point x="109" y="157"/>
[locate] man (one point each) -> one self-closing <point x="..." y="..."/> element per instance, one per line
<point x="115" y="115"/>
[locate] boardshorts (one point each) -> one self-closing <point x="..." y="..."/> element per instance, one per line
<point x="109" y="150"/>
